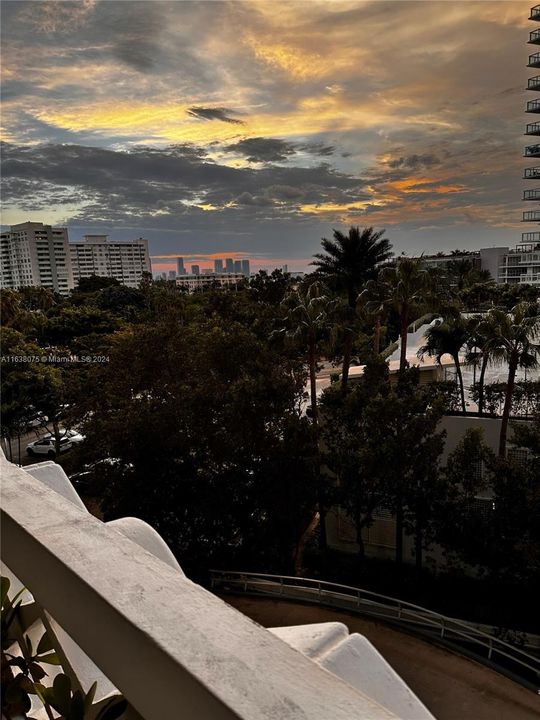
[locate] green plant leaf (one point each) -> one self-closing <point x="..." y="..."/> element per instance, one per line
<point x="47" y="696"/>
<point x="28" y="644"/>
<point x="113" y="709"/>
<point x="50" y="659"/>
<point x="13" y="693"/>
<point x="37" y="672"/>
<point x="76" y="711"/>
<point x="27" y="685"/>
<point x="5" y="584"/>
<point x="89" y="699"/>
<point x="45" y="644"/>
<point x="62" y="693"/>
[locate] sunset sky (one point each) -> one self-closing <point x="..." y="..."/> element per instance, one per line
<point x="257" y="127"/>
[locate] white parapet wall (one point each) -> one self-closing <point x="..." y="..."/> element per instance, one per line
<point x="170" y="646"/>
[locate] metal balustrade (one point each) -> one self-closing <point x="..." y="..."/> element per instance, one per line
<point x="534" y="60"/>
<point x="509" y="660"/>
<point x="532" y="151"/>
<point x="531" y="173"/>
<point x="535" y="13"/>
<point x="531" y="216"/>
<point x="533" y="106"/>
<point x="534" y="83"/>
<point x="530" y="237"/>
<point x="534" y="37"/>
<point x="531" y="194"/>
<point x="532" y="129"/>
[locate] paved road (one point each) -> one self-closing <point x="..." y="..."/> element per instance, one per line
<point x="451" y="687"/>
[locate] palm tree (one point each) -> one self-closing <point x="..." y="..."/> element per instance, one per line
<point x="307" y="321"/>
<point x="447" y="338"/>
<point x="348" y="262"/>
<point x="372" y="300"/>
<point x="514" y="339"/>
<point x="408" y="289"/>
<point x="482" y="340"/>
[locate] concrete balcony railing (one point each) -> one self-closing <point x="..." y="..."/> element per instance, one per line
<point x="169" y="646"/>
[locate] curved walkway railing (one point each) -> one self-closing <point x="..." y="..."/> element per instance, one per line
<point x="457" y="635"/>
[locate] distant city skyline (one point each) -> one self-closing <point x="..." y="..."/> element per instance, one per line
<point x="125" y="123"/>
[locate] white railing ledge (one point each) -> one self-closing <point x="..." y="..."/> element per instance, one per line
<point x="171" y="647"/>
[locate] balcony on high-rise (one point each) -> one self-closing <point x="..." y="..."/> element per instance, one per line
<point x="535" y="13"/>
<point x="534" y="37"/>
<point x="534" y="83"/>
<point x="530" y="237"/>
<point x="532" y="151"/>
<point x="533" y="106"/>
<point x="531" y="194"/>
<point x="532" y="173"/>
<point x="533" y="129"/>
<point x="534" y="60"/>
<point x="531" y="216"/>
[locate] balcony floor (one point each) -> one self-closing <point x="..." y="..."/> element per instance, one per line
<point x="449" y="685"/>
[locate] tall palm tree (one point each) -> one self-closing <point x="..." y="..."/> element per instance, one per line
<point x="373" y="302"/>
<point x="406" y="287"/>
<point x="306" y="322"/>
<point x="348" y="262"/>
<point x="482" y="340"/>
<point x="448" y="338"/>
<point x="514" y="339"/>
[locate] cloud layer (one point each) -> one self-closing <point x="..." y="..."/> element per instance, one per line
<point x="257" y="127"/>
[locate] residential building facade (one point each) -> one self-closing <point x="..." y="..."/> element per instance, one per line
<point x="34" y="254"/>
<point x="517" y="266"/>
<point x="125" y="261"/>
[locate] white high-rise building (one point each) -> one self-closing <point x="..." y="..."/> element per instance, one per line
<point x="123" y="261"/>
<point x="34" y="254"/>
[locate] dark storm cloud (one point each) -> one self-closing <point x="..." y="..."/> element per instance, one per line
<point x="173" y="180"/>
<point x="413" y="162"/>
<point x="223" y="114"/>
<point x="260" y="149"/>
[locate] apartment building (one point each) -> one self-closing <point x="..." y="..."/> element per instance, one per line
<point x="209" y="279"/>
<point x="34" y="254"/>
<point x="520" y="265"/>
<point x="505" y="265"/>
<point x="125" y="261"/>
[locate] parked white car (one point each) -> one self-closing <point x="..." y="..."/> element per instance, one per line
<point x="72" y="435"/>
<point x="46" y="446"/>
